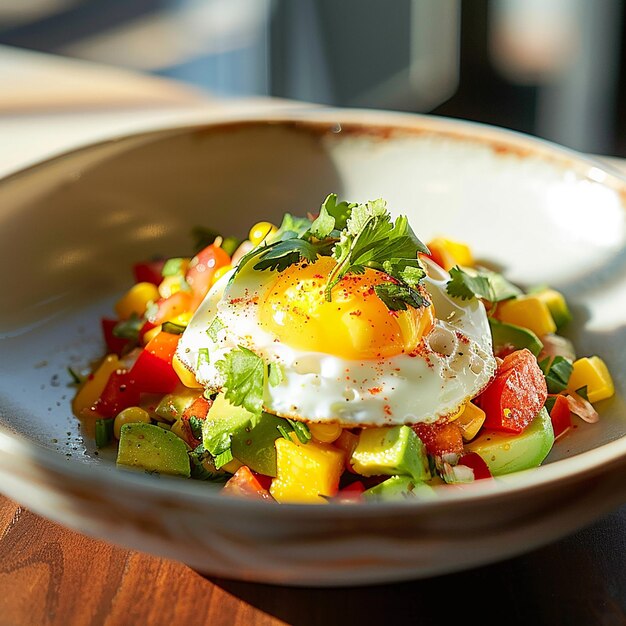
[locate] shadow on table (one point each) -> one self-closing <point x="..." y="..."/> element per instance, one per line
<point x="580" y="580"/>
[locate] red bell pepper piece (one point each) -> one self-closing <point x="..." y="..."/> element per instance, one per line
<point x="115" y="345"/>
<point x="560" y="415"/>
<point x="153" y="371"/>
<point x="476" y="462"/>
<point x="119" y="393"/>
<point x="149" y="271"/>
<point x="515" y="395"/>
<point x="245" y="483"/>
<point x="352" y="492"/>
<point x="202" y="267"/>
<point x="440" y="438"/>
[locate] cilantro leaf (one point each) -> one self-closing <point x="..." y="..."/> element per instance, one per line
<point x="282" y="254"/>
<point x="323" y="224"/>
<point x="463" y="285"/>
<point x="203" y="357"/>
<point x="557" y="372"/>
<point x="195" y="424"/>
<point x="371" y="239"/>
<point x="244" y="374"/>
<point x="341" y="211"/>
<point x="293" y="426"/>
<point x="482" y="283"/>
<point x="399" y="297"/>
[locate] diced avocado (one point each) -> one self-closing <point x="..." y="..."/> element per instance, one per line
<point x="390" y="451"/>
<point x="557" y="305"/>
<point x="515" y="336"/>
<point x="172" y="406"/>
<point x="505" y="453"/>
<point x="153" y="449"/>
<point x="400" y="487"/>
<point x="251" y="445"/>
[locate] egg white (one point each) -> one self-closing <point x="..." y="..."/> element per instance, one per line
<point x="453" y="363"/>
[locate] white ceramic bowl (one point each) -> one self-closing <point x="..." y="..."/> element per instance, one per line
<point x="71" y="227"/>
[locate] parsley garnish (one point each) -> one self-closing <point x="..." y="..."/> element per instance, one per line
<point x="557" y="371"/>
<point x="195" y="424"/>
<point x="203" y="357"/>
<point x="275" y="374"/>
<point x="244" y="374"/>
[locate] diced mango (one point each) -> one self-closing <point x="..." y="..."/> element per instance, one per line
<point x="556" y="303"/>
<point x="592" y="372"/>
<point x="448" y="253"/>
<point x="306" y="472"/>
<point x="92" y="388"/>
<point x="136" y="299"/>
<point x="469" y="420"/>
<point x="528" y="311"/>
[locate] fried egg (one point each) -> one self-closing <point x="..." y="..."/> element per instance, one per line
<point x="349" y="360"/>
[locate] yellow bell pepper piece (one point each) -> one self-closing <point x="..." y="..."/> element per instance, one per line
<point x="306" y="472"/>
<point x="136" y="299"/>
<point x="592" y="372"/>
<point x="149" y="335"/>
<point x="186" y="376"/>
<point x="528" y="312"/>
<point x="556" y="303"/>
<point x="451" y="252"/>
<point x="93" y="386"/>
<point x="469" y="420"/>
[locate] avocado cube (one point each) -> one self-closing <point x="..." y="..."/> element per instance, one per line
<point x="511" y="335"/>
<point x="400" y="487"/>
<point x="172" y="405"/>
<point x="505" y="453"/>
<point x="390" y="451"/>
<point x="556" y="303"/>
<point x="153" y="449"/>
<point x="252" y="445"/>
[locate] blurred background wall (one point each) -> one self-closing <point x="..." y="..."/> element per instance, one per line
<point x="552" y="68"/>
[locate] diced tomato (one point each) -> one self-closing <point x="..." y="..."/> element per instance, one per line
<point x="153" y="371"/>
<point x="149" y="271"/>
<point x="245" y="483"/>
<point x="115" y="345"/>
<point x="119" y="393"/>
<point x="199" y="409"/>
<point x="560" y="415"/>
<point x="199" y="275"/>
<point x="171" y="307"/>
<point x="476" y="462"/>
<point x="440" y="438"/>
<point x="351" y="492"/>
<point x="515" y="395"/>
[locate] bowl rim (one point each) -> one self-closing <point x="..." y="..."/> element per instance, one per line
<point x="368" y="122"/>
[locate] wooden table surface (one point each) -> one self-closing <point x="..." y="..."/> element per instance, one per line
<point x="50" y="575"/>
<point x="53" y="576"/>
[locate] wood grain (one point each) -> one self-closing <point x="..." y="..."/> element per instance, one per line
<point x="53" y="576"/>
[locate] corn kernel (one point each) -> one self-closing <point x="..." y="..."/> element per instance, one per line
<point x="592" y="372"/>
<point x="130" y="415"/>
<point x="182" y="319"/>
<point x="136" y="299"/>
<point x="449" y="253"/>
<point x="260" y="231"/>
<point x="220" y="271"/>
<point x="186" y="377"/>
<point x="149" y="335"/>
<point x="306" y="473"/>
<point x="470" y="420"/>
<point x="325" y="433"/>
<point x="528" y="312"/>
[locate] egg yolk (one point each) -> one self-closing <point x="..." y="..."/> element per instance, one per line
<point x="355" y="324"/>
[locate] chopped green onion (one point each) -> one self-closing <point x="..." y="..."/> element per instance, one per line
<point x="104" y="432"/>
